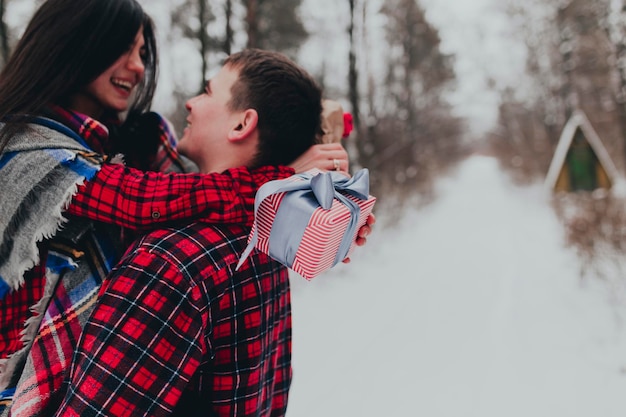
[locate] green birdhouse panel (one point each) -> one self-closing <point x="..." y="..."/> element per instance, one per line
<point x="580" y="161"/>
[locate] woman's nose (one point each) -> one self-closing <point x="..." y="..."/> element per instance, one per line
<point x="135" y="63"/>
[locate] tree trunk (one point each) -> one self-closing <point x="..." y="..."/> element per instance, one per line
<point x="252" y="7"/>
<point x="620" y="51"/>
<point x="228" y="40"/>
<point x="353" y="80"/>
<point x="204" y="39"/>
<point x="4" y="33"/>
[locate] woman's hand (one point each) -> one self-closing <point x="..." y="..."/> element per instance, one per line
<point x="364" y="231"/>
<point x="325" y="156"/>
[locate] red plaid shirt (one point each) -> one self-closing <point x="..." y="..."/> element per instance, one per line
<point x="178" y="332"/>
<point x="136" y="200"/>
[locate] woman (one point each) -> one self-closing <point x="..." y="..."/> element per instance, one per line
<point x="74" y="70"/>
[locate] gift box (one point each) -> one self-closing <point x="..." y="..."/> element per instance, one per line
<point x="309" y="222"/>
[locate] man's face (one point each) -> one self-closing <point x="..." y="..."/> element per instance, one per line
<point x="209" y="120"/>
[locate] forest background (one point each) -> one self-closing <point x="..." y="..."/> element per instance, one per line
<point x="385" y="61"/>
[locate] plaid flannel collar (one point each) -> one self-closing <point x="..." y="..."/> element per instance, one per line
<point x="96" y="134"/>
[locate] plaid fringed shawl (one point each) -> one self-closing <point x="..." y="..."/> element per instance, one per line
<point x="40" y="170"/>
<point x="41" y="383"/>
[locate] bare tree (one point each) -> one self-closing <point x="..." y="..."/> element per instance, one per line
<point x="190" y="20"/>
<point x="415" y="133"/>
<point x="204" y="17"/>
<point x="572" y="65"/>
<point x="4" y="32"/>
<point x="613" y="20"/>
<point x="252" y="22"/>
<point x="228" y="28"/>
<point x="193" y="17"/>
<point x="275" y="25"/>
<point x="353" y="75"/>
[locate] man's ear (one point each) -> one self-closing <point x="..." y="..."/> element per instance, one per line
<point x="247" y="124"/>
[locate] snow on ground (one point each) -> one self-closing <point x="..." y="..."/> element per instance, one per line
<point x="472" y="307"/>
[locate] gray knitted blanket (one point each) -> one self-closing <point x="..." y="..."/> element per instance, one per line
<point x="40" y="170"/>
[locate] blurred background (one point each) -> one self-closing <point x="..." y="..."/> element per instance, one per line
<point x="389" y="64"/>
<point x="490" y="257"/>
<point x="427" y="81"/>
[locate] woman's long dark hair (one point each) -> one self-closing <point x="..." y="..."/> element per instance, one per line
<point x="66" y="45"/>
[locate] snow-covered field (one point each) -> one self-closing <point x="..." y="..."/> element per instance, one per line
<point x="471" y="307"/>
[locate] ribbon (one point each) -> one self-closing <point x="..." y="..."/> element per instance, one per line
<point x="303" y="195"/>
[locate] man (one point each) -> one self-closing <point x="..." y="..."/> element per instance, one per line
<point x="177" y="331"/>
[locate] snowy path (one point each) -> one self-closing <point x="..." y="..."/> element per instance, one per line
<point x="471" y="308"/>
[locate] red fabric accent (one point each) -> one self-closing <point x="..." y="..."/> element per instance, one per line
<point x="348" y="125"/>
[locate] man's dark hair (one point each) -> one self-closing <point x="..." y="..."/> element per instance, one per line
<point x="67" y="45"/>
<point x="287" y="99"/>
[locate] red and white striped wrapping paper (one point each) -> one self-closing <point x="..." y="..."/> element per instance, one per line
<point x="322" y="236"/>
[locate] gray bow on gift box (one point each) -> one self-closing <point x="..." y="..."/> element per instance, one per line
<point x="302" y="197"/>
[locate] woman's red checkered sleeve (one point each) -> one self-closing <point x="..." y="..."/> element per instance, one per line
<point x="139" y="200"/>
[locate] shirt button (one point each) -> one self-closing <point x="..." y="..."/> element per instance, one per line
<point x="156" y="214"/>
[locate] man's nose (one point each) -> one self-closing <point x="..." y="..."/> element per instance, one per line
<point x="190" y="102"/>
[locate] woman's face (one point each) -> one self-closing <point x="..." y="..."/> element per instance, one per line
<point x="112" y="90"/>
